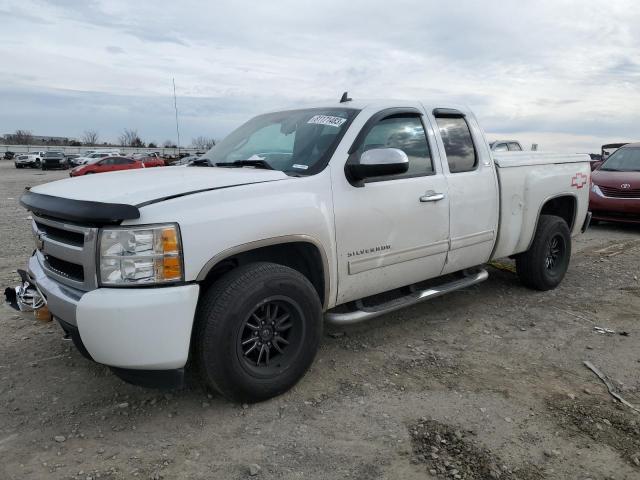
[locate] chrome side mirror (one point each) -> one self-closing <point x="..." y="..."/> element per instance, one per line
<point x="378" y="162"/>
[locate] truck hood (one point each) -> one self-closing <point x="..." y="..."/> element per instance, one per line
<point x="150" y="185"/>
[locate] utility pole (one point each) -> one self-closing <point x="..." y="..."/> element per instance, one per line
<point x="175" y="105"/>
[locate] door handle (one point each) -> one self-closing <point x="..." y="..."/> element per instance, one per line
<point x="432" y="196"/>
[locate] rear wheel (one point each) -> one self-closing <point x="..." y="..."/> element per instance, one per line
<point x="544" y="265"/>
<point x="258" y="330"/>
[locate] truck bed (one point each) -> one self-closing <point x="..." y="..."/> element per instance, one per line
<point x="529" y="180"/>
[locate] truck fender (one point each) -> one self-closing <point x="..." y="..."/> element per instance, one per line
<point x="268" y="242"/>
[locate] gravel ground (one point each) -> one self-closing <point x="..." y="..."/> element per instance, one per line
<point x="483" y="383"/>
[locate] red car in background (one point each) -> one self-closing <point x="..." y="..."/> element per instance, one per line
<point x="615" y="187"/>
<point x="108" y="164"/>
<point x="605" y="152"/>
<point x="149" y="159"/>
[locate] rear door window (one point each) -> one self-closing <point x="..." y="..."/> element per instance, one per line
<point x="514" y="147"/>
<point x="458" y="144"/>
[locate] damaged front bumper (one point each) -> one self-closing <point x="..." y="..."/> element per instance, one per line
<point x="25" y="297"/>
<point x="61" y="299"/>
<point x="143" y="334"/>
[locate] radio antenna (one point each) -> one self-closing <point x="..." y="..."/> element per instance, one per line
<point x="345" y="98"/>
<point x="175" y="105"/>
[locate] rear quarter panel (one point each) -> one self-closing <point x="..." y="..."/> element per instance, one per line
<point x="524" y="191"/>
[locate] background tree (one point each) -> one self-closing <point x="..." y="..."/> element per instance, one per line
<point x="203" y="143"/>
<point x="152" y="145"/>
<point x="90" y="137"/>
<point x="169" y="144"/>
<point x="130" y="138"/>
<point x="22" y="137"/>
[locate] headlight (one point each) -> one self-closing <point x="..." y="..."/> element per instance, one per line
<point x="596" y="189"/>
<point x="140" y="255"/>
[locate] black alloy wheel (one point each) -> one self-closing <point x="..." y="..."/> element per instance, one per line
<point x="270" y="336"/>
<point x="257" y="331"/>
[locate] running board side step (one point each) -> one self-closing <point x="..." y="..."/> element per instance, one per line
<point x="366" y="313"/>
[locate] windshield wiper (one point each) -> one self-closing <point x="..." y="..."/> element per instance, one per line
<point x="246" y="163"/>
<point x="610" y="170"/>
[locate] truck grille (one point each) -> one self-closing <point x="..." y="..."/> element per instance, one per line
<point x="620" y="193"/>
<point x="69" y="270"/>
<point x="66" y="251"/>
<point x="65" y="236"/>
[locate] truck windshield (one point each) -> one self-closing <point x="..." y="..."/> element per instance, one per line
<point x="296" y="142"/>
<point x="623" y="160"/>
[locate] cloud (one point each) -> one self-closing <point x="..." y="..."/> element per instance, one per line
<point x="114" y="50"/>
<point x="561" y="71"/>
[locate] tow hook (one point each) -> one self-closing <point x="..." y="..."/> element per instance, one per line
<point x="26" y="297"/>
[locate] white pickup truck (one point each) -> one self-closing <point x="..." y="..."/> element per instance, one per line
<point x="303" y="216"/>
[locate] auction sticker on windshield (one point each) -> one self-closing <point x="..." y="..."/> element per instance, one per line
<point x="327" y="120"/>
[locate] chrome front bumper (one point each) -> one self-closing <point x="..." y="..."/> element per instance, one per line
<point x="61" y="299"/>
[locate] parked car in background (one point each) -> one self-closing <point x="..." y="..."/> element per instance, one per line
<point x="86" y="153"/>
<point x="609" y="149"/>
<point x="54" y="159"/>
<point x="596" y="160"/>
<point x="506" y="146"/>
<point x="605" y="152"/>
<point x="107" y="164"/>
<point x="84" y="160"/>
<point x="27" y="160"/>
<point x="185" y="160"/>
<point x="615" y="187"/>
<point x="8" y="155"/>
<point x="150" y="159"/>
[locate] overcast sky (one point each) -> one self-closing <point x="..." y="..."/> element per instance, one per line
<point x="564" y="74"/>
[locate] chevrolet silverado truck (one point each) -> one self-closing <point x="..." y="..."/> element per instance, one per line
<point x="338" y="213"/>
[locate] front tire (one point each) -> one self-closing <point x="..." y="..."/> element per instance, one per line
<point x="544" y="265"/>
<point x="257" y="331"/>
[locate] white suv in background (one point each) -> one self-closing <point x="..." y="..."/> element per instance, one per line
<point x="88" y="158"/>
<point x="28" y="160"/>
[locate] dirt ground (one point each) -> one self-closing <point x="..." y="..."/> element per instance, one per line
<point x="488" y="382"/>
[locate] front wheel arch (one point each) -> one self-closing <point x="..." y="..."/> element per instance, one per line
<point x="300" y="252"/>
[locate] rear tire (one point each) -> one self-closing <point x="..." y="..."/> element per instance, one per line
<point x="257" y="331"/>
<point x="544" y="265"/>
